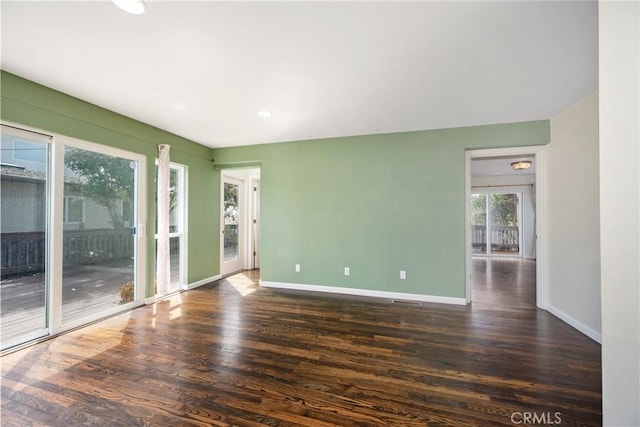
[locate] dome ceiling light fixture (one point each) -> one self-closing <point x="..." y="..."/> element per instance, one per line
<point x="521" y="165"/>
<point x="134" y="7"/>
<point x="265" y="114"/>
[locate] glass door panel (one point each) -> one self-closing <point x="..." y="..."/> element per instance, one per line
<point x="24" y="182"/>
<point x="478" y="223"/>
<point x="98" y="239"/>
<point x="495" y="224"/>
<point x="504" y="223"/>
<point x="232" y="232"/>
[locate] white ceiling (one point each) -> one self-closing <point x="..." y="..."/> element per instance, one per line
<point x="500" y="166"/>
<point x="203" y="69"/>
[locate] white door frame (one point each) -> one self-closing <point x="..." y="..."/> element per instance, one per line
<point x="538" y="151"/>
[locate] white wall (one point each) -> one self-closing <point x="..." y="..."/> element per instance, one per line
<point x="620" y="210"/>
<point x="572" y="250"/>
<point x="515" y="183"/>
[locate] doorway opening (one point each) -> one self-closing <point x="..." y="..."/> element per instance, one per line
<point x="240" y="220"/>
<point x="504" y="228"/>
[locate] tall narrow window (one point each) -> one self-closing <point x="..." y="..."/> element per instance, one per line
<point x="24" y="182"/>
<point x="177" y="202"/>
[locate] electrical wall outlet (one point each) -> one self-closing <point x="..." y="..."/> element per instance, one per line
<point x="347" y="271"/>
<point x="403" y="274"/>
<point x="297" y="268"/>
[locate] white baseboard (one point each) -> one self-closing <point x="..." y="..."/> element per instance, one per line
<point x="150" y="300"/>
<point x="597" y="337"/>
<point x="203" y="281"/>
<point x="365" y="292"/>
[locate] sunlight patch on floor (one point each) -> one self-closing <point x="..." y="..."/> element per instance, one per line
<point x="72" y="342"/>
<point x="168" y="308"/>
<point x="242" y="283"/>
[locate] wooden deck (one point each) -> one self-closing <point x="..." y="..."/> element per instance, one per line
<point x="231" y="353"/>
<point x="87" y="290"/>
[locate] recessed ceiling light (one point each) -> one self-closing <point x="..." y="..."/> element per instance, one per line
<point x="135" y="7"/>
<point x="266" y="114"/>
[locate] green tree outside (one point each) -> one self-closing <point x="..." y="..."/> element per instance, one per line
<point x="503" y="209"/>
<point x="106" y="179"/>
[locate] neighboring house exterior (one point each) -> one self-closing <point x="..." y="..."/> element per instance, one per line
<point x="86" y="223"/>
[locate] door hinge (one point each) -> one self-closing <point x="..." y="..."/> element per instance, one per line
<point x="255" y="221"/>
<point x="255" y="188"/>
<point x="254" y="253"/>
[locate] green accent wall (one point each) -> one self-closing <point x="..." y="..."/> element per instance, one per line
<point x="33" y="105"/>
<point x="377" y="204"/>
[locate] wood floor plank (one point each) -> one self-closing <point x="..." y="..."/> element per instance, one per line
<point x="212" y="357"/>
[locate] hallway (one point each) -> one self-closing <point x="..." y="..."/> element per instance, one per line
<point x="503" y="283"/>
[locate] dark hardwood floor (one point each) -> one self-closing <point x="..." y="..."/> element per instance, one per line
<point x="231" y="353"/>
<point x="503" y="283"/>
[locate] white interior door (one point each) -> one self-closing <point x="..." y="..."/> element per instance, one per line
<point x="233" y="225"/>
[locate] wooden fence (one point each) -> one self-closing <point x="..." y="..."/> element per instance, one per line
<point x="504" y="238"/>
<point x="25" y="252"/>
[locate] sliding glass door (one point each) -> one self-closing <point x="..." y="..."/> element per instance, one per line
<point x="495" y="223"/>
<point x="25" y="180"/>
<point x="70" y="236"/>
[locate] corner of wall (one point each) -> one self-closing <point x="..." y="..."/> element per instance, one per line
<point x="572" y="223"/>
